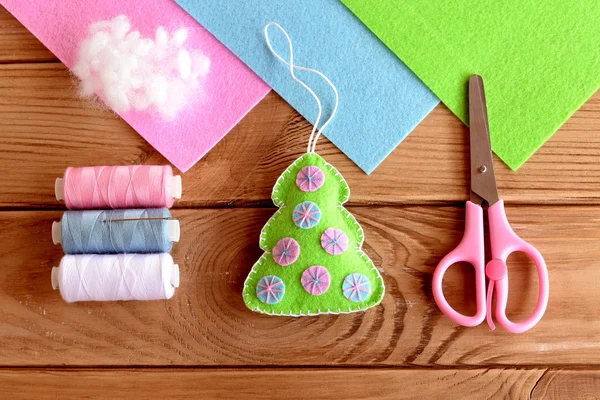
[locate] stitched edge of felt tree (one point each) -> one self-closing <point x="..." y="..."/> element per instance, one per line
<point x="313" y="262"/>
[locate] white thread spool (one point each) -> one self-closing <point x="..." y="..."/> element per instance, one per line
<point x="110" y="277"/>
<point x="172" y="225"/>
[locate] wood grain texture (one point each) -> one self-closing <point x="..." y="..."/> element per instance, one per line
<point x="46" y="128"/>
<point x="17" y="44"/>
<point x="207" y="323"/>
<point x="572" y="385"/>
<point x="262" y="384"/>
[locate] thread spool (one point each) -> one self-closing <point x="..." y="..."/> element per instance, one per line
<point x="116" y="231"/>
<point x="127" y="186"/>
<point x="111" y="277"/>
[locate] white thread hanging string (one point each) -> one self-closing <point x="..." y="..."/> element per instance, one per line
<point x="315" y="134"/>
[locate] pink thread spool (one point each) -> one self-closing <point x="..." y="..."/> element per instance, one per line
<point x="127" y="186"/>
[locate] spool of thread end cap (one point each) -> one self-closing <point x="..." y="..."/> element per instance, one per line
<point x="176" y="187"/>
<point x="54" y="278"/>
<point x="56" y="232"/>
<point x="59" y="189"/>
<point x="174" y="230"/>
<point x="175" y="275"/>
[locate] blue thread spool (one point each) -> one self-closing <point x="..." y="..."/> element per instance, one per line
<point x="116" y="231"/>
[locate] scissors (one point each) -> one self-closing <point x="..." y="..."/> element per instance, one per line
<point x="503" y="240"/>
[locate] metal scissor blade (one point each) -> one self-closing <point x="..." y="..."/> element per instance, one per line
<point x="483" y="179"/>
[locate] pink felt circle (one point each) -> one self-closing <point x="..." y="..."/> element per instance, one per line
<point x="316" y="280"/>
<point x="334" y="241"/>
<point x="310" y="179"/>
<point x="286" y="252"/>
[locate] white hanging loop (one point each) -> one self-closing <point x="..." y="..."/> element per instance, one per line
<point x="315" y="134"/>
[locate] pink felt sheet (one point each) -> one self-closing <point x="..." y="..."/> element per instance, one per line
<point x="230" y="90"/>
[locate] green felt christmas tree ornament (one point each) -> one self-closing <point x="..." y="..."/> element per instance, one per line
<point x="313" y="262"/>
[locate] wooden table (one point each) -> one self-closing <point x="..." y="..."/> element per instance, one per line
<point x="204" y="343"/>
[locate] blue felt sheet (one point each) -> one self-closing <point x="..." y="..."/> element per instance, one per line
<point x="381" y="100"/>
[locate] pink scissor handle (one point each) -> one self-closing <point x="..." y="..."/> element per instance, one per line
<point x="471" y="250"/>
<point x="504" y="241"/>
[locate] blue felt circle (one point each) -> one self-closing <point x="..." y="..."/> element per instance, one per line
<point x="306" y="215"/>
<point x="356" y="287"/>
<point x="270" y="289"/>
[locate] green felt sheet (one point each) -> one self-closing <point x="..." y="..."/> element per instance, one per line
<point x="330" y="197"/>
<point x="540" y="60"/>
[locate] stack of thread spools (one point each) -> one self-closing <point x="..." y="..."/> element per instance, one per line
<point x="118" y="233"/>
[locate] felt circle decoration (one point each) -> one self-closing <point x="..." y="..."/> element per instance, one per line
<point x="270" y="289"/>
<point x="286" y="252"/>
<point x="306" y="215"/>
<point x="310" y="179"/>
<point x="356" y="287"/>
<point x="316" y="280"/>
<point x="334" y="241"/>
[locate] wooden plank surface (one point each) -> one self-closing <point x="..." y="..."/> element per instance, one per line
<point x="571" y="385"/>
<point x="309" y="383"/>
<point x="40" y="105"/>
<point x="261" y="384"/>
<point x="407" y="207"/>
<point x="207" y="323"/>
<point x="17" y="44"/>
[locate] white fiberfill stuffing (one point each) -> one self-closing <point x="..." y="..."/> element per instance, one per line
<point x="130" y="72"/>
